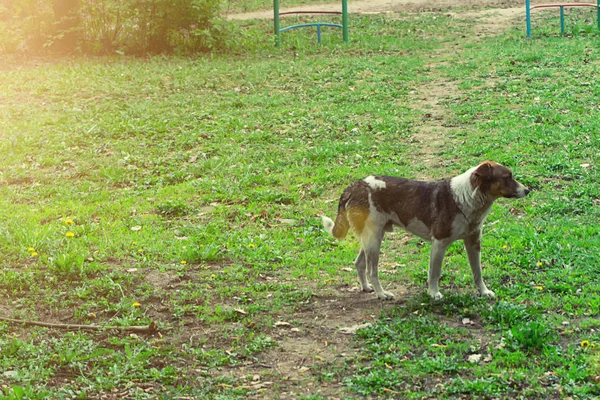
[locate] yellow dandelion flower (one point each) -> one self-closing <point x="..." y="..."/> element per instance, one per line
<point x="505" y="246"/>
<point x="136" y="304"/>
<point x="183" y="262"/>
<point x="69" y="221"/>
<point x="140" y="250"/>
<point x="251" y="245"/>
<point x="34" y="254"/>
<point x="31" y="249"/>
<point x="585" y="343"/>
<point x="539" y="264"/>
<point x="133" y="243"/>
<point x="212" y="276"/>
<point x="69" y="234"/>
<point x="539" y="287"/>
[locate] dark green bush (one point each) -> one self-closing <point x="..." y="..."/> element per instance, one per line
<point x="25" y="25"/>
<point x="136" y="27"/>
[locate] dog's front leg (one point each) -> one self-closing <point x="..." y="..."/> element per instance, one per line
<point x="438" y="250"/>
<point x="473" y="248"/>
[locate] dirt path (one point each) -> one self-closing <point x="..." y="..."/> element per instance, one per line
<point x="431" y="97"/>
<point x="383" y="6"/>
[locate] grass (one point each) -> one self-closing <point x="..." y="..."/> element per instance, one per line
<point x="192" y="189"/>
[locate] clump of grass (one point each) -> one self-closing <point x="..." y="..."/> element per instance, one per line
<point x="507" y="315"/>
<point x="172" y="208"/>
<point x="531" y="336"/>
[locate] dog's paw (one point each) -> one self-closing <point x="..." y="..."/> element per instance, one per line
<point x="437" y="296"/>
<point x="368" y="289"/>
<point x="385" y="295"/>
<point x="487" y="293"/>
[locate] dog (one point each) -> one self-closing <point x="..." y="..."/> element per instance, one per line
<point x="440" y="211"/>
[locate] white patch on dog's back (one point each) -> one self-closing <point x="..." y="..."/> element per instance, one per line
<point x="374" y="183"/>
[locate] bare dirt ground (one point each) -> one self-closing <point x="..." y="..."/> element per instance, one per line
<point x="384" y="6"/>
<point x="327" y="322"/>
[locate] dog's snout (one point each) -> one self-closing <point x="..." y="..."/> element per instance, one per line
<point x="521" y="191"/>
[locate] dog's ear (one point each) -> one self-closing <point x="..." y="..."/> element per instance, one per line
<point x="485" y="169"/>
<point x="483" y="172"/>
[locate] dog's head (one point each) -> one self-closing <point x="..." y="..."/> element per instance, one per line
<point x="496" y="180"/>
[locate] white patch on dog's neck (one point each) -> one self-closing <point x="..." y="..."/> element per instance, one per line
<point x="374" y="183"/>
<point x="469" y="199"/>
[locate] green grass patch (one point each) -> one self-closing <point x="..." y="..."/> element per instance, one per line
<point x="187" y="192"/>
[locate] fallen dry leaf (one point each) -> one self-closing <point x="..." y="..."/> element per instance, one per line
<point x="474" y="358"/>
<point x="351" y="330"/>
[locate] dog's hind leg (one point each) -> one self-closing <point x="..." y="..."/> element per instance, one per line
<point x="438" y="250"/>
<point x="361" y="269"/>
<point x="473" y="248"/>
<point x="371" y="245"/>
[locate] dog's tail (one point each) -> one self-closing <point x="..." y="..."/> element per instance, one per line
<point x="339" y="229"/>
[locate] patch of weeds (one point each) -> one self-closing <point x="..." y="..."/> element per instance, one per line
<point x="531" y="336"/>
<point x="198" y="253"/>
<point x="218" y="357"/>
<point x="453" y="304"/>
<point x="23" y="393"/>
<point x="405" y="351"/>
<point x="258" y="343"/>
<point x="329" y="371"/>
<point x="66" y="266"/>
<point x="17" y="281"/>
<point x="172" y="208"/>
<point x="297" y="297"/>
<point x="507" y="315"/>
<point x="484" y="386"/>
<point x="510" y="358"/>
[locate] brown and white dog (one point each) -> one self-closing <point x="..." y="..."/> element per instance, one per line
<point x="441" y="212"/>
